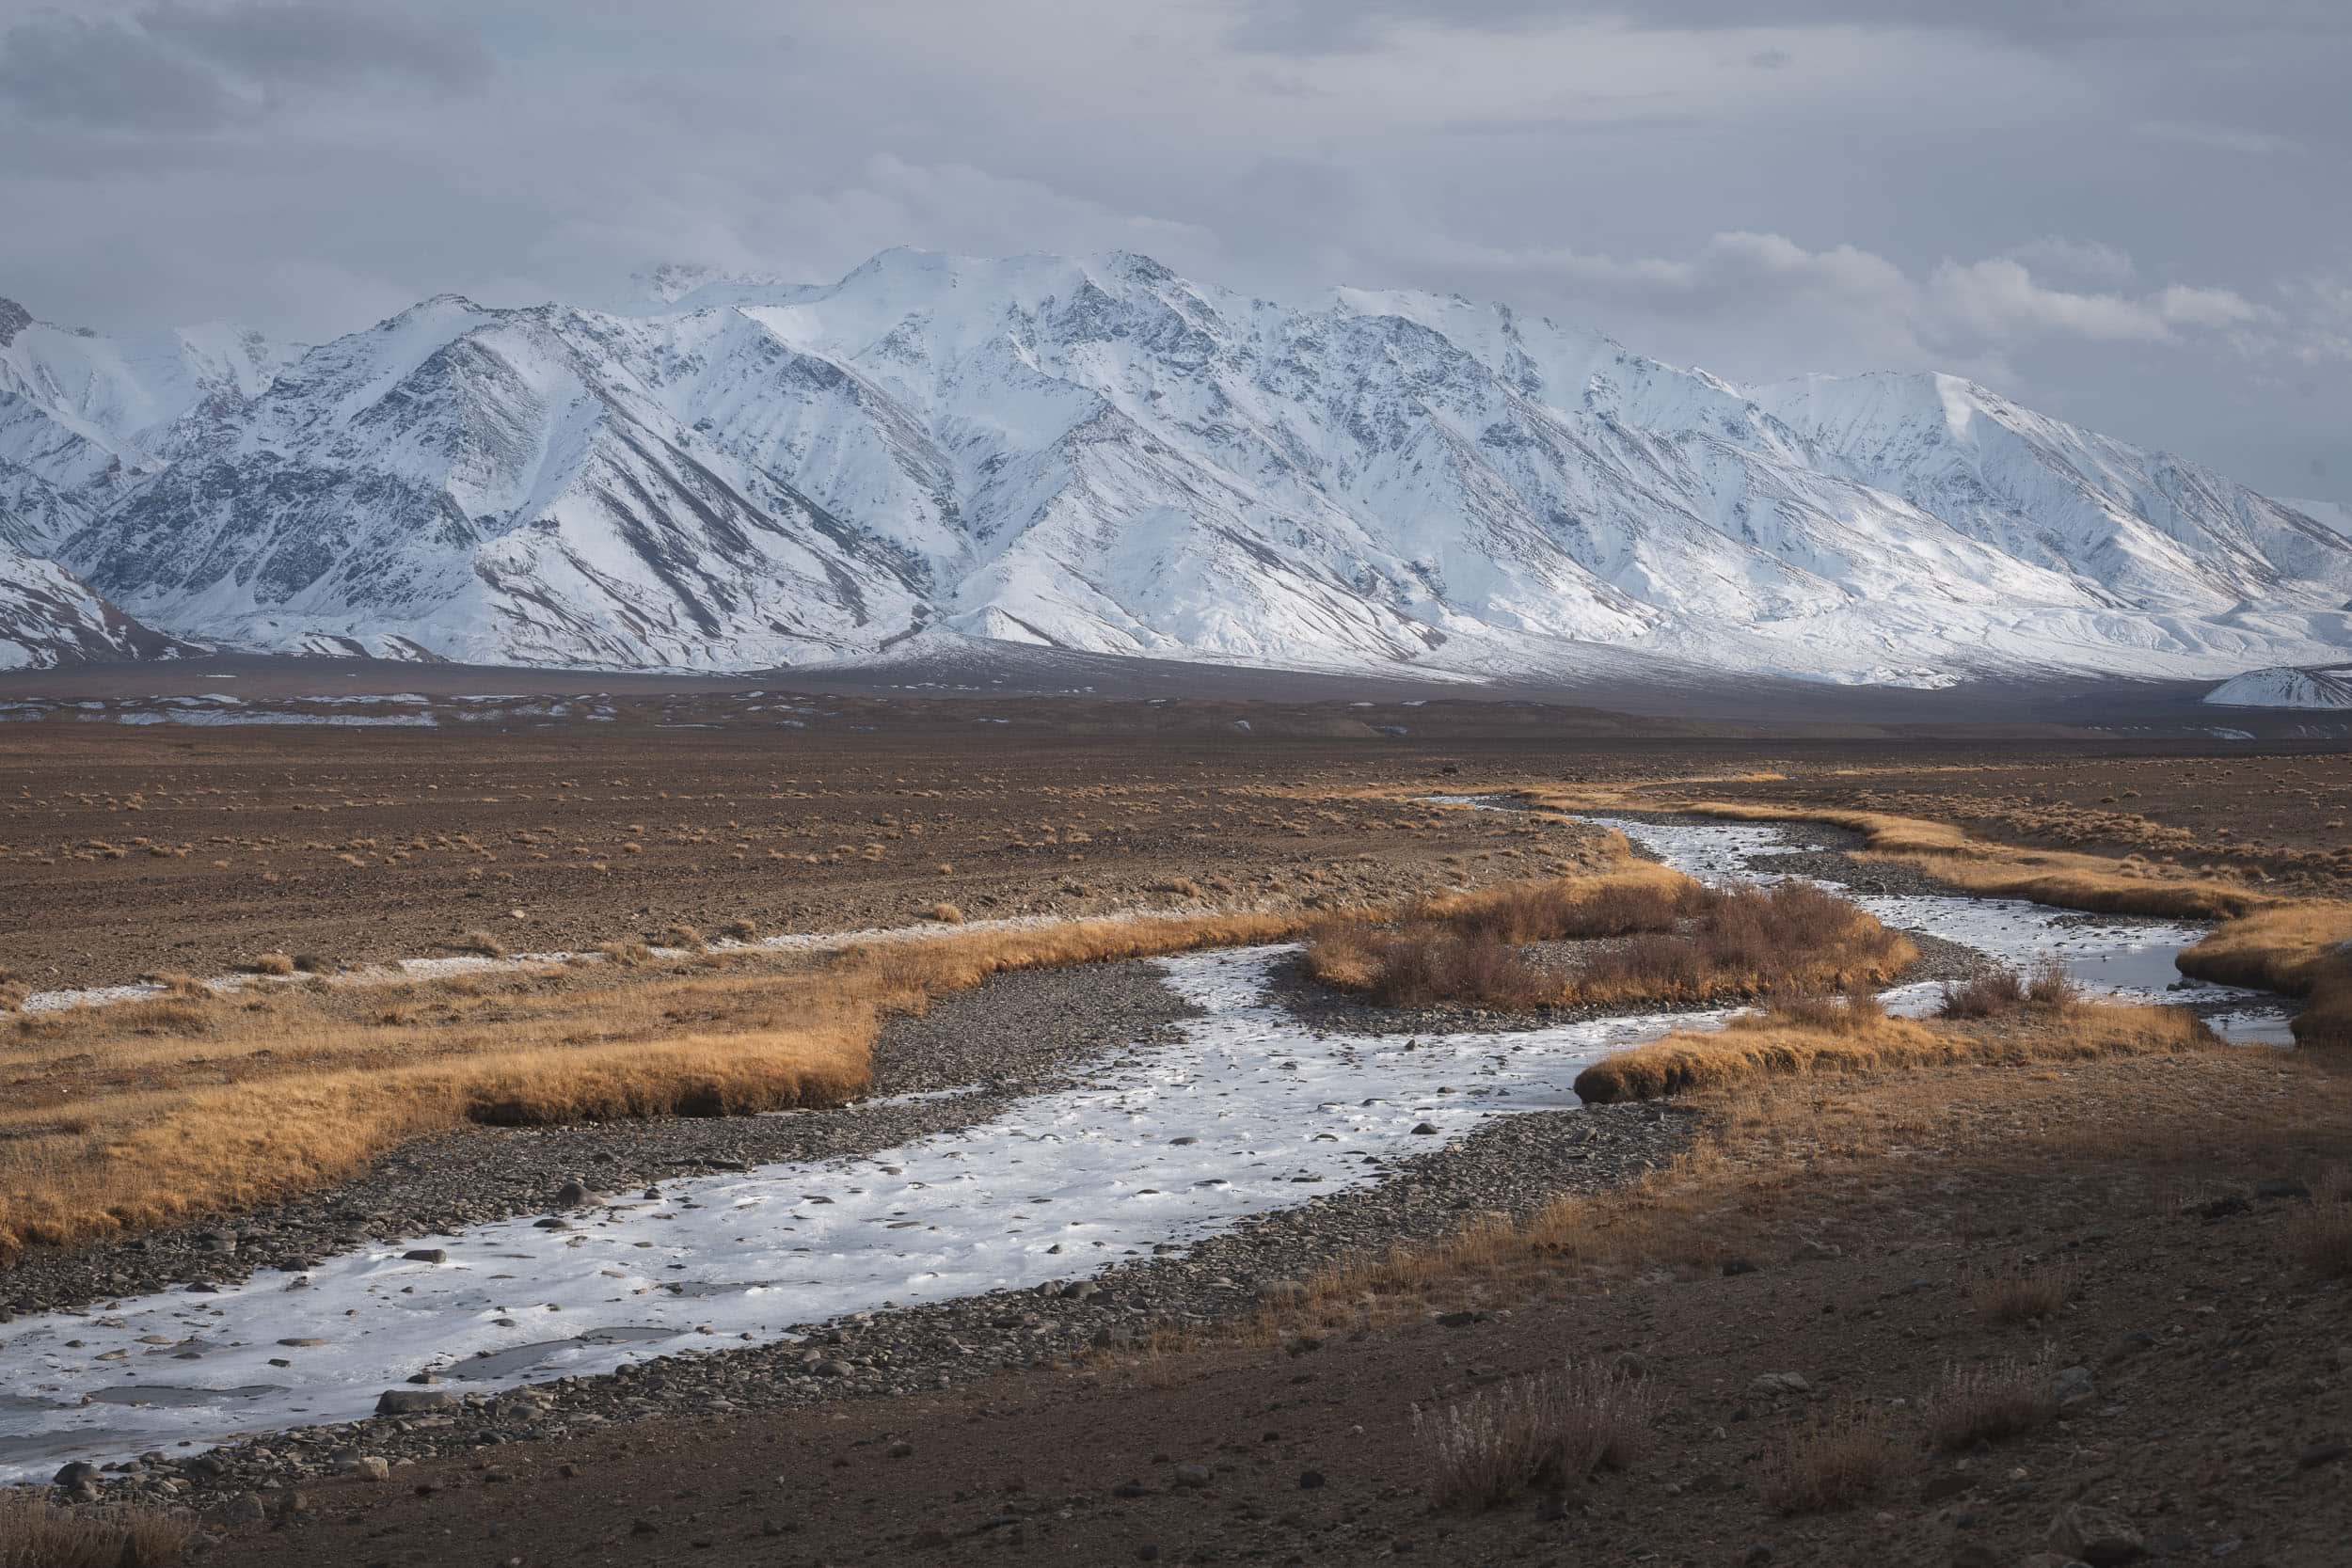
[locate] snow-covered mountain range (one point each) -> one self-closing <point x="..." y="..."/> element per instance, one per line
<point x="1097" y="455"/>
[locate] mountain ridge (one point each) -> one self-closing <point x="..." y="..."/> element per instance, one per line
<point x="1097" y="455"/>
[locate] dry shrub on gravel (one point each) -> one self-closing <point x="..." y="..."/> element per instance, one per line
<point x="37" y="1533"/>
<point x="1422" y="961"/>
<point x="2024" y="1294"/>
<point x="1764" y="1046"/>
<point x="945" y="913"/>
<point x="2320" y="1234"/>
<point x="1548" y="1428"/>
<point x="273" y="963"/>
<point x="1991" y="1402"/>
<point x="481" y="943"/>
<point x="1833" y="1462"/>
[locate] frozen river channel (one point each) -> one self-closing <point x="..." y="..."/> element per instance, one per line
<point x="1245" y="1112"/>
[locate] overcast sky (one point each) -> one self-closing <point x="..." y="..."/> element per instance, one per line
<point x="2133" y="213"/>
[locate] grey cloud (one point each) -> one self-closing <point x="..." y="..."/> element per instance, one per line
<point x="106" y="72"/>
<point x="181" y="67"/>
<point x="297" y="43"/>
<point x="1337" y="27"/>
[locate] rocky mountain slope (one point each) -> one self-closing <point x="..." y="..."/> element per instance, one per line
<point x="1097" y="455"/>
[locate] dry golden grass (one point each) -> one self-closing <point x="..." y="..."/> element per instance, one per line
<point x="1833" y="1461"/>
<point x="2303" y="949"/>
<point x="136" y="1115"/>
<point x="37" y="1533"/>
<point x="273" y="963"/>
<point x="1769" y="1045"/>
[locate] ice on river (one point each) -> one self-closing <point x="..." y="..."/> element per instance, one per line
<point x="1245" y="1112"/>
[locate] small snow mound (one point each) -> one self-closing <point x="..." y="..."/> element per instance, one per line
<point x="2286" y="687"/>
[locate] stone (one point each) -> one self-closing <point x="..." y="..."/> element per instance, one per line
<point x="425" y="1255"/>
<point x="1310" y="1481"/>
<point x="411" y="1402"/>
<point x="1943" y="1488"/>
<point x="571" y="1195"/>
<point x="369" y="1466"/>
<point x="2099" y="1536"/>
<point x="2073" y="1385"/>
<point x="2321" y="1453"/>
<point x="75" y="1476"/>
<point x="245" y="1508"/>
<point x="1423" y="1129"/>
<point x="1780" y="1383"/>
<point x="1192" y="1475"/>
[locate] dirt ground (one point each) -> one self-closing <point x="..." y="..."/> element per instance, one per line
<point x="2212" y="1412"/>
<point x="131" y="849"/>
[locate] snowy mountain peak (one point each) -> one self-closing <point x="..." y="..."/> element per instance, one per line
<point x="14" y="319"/>
<point x="1096" y="453"/>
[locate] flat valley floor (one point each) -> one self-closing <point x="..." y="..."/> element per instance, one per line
<point x="1815" y="1260"/>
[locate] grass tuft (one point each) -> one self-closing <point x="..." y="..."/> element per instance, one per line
<point x="1991" y="1402"/>
<point x="2024" y="1295"/>
<point x="37" y="1534"/>
<point x="1548" y="1428"/>
<point x="482" y="943"/>
<point x="1834" y="1462"/>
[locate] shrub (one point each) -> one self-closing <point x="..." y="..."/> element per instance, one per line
<point x="37" y="1533"/>
<point x="482" y="942"/>
<point x="1423" y="961"/>
<point x="1987" y="1404"/>
<point x="2320" y="1234"/>
<point x="684" y="937"/>
<point x="945" y="913"/>
<point x="626" y="952"/>
<point x="273" y="963"/>
<point x="1992" y="992"/>
<point x="1859" y="1011"/>
<point x="1548" y="1428"/>
<point x="186" y="987"/>
<point x="1832" y="1463"/>
<point x="1987" y="994"/>
<point x="741" y="930"/>
<point x="2021" y="1295"/>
